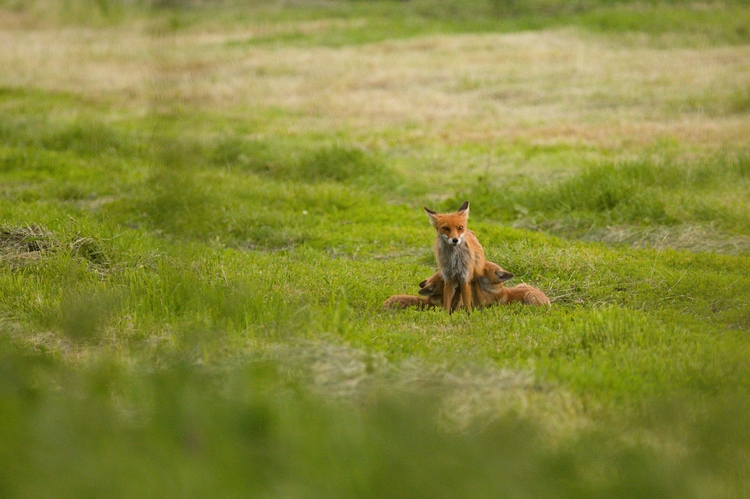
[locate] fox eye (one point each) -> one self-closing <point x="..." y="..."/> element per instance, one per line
<point x="460" y="227"/>
<point x="445" y="229"/>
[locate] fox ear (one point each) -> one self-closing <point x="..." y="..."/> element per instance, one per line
<point x="423" y="283"/>
<point x="427" y="291"/>
<point x="464" y="208"/>
<point x="432" y="214"/>
<point x="503" y="275"/>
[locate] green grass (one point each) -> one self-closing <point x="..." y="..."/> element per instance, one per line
<point x="190" y="299"/>
<point x="358" y="22"/>
<point x="367" y="22"/>
<point x="645" y="192"/>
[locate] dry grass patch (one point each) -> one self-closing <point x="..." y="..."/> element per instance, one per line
<point x="77" y="60"/>
<point x="691" y="237"/>
<point x="469" y="396"/>
<point x="549" y="86"/>
<point x="23" y="243"/>
<point x="488" y="86"/>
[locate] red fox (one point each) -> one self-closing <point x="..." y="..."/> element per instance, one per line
<point x="488" y="289"/>
<point x="491" y="289"/>
<point x="459" y="255"/>
<point x="421" y="302"/>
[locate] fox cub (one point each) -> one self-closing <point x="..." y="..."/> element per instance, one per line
<point x="491" y="289"/>
<point x="430" y="300"/>
<point x="406" y="301"/>
<point x="488" y="289"/>
<point x="459" y="255"/>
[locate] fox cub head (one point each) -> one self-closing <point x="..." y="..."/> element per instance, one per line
<point x="432" y="290"/>
<point x="493" y="278"/>
<point x="432" y="286"/>
<point x="450" y="227"/>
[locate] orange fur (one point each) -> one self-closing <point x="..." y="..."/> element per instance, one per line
<point x="492" y="290"/>
<point x="459" y="255"/>
<point x="432" y="290"/>
<point x="406" y="301"/>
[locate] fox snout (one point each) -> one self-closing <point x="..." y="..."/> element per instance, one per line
<point x="453" y="241"/>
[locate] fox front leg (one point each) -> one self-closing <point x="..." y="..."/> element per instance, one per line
<point x="448" y="292"/>
<point x="466" y="295"/>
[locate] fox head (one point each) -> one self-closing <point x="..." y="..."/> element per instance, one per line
<point x="450" y="227"/>
<point x="494" y="277"/>
<point x="432" y="289"/>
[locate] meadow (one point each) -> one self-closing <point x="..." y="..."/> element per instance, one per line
<point x="203" y="206"/>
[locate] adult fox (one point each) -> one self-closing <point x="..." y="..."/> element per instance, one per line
<point x="459" y="255"/>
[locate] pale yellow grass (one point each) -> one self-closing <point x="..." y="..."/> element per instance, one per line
<point x="467" y="395"/>
<point x="692" y="237"/>
<point x="544" y="87"/>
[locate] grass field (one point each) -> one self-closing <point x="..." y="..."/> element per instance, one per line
<point x="203" y="206"/>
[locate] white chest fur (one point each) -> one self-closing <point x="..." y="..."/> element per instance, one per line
<point x="454" y="261"/>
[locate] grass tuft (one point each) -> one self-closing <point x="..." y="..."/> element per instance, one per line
<point x="336" y="163"/>
<point x="601" y="194"/>
<point x="24" y="240"/>
<point x="340" y="164"/>
<point x="91" y="250"/>
<point x="636" y="193"/>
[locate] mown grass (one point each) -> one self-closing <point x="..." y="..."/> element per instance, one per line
<point x="190" y="301"/>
